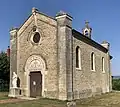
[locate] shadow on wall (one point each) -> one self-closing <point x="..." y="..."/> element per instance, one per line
<point x="18" y="82"/>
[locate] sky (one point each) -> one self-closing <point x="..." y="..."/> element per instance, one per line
<point x="103" y="15"/>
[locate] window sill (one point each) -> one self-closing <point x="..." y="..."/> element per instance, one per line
<point x="93" y="70"/>
<point x="78" y="69"/>
<point x="103" y="72"/>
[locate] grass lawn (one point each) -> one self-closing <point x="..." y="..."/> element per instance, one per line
<point x="106" y="100"/>
<point x="3" y="95"/>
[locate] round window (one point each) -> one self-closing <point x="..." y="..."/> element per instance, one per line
<point x="36" y="37"/>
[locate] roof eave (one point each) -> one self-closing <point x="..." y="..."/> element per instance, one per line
<point x="89" y="41"/>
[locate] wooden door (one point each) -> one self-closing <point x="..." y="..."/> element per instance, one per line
<point x="35" y="84"/>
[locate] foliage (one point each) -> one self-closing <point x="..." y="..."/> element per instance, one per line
<point x="116" y="84"/>
<point x="4" y="66"/>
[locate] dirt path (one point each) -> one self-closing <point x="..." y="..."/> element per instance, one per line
<point x="11" y="100"/>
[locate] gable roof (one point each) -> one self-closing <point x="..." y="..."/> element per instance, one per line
<point x="75" y="34"/>
<point x="89" y="41"/>
<point x="28" y="20"/>
<point x="38" y="13"/>
<point x="25" y="21"/>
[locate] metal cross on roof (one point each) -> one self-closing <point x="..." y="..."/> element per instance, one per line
<point x="86" y="22"/>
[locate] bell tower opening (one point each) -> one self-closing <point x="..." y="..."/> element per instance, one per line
<point x="87" y="30"/>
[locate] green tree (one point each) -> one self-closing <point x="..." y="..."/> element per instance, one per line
<point x="4" y="66"/>
<point x="116" y="84"/>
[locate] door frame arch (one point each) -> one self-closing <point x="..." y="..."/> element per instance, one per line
<point x="35" y="63"/>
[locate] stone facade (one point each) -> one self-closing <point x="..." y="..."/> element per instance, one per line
<point x="86" y="81"/>
<point x="54" y="55"/>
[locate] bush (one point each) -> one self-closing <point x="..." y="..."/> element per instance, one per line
<point x="4" y="71"/>
<point x="116" y="84"/>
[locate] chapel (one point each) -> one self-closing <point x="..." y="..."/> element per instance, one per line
<point x="51" y="59"/>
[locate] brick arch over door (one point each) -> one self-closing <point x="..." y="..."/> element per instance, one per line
<point x="35" y="63"/>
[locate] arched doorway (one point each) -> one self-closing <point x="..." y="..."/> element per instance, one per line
<point x="35" y="69"/>
<point x="35" y="84"/>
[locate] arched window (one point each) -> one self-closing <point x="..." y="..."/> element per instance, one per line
<point x="86" y="33"/>
<point x="92" y="61"/>
<point x="103" y="64"/>
<point x="78" y="57"/>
